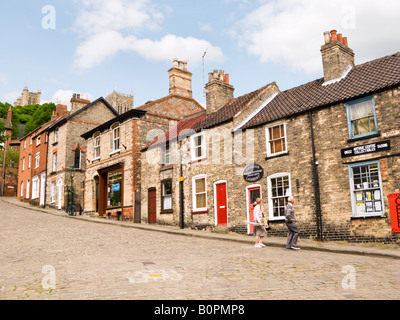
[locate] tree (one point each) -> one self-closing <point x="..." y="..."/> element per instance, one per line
<point x="2" y="134"/>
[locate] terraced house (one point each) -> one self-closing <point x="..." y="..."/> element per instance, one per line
<point x="333" y="144"/>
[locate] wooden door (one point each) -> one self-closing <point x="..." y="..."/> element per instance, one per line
<point x="152" y="206"/>
<point x="252" y="195"/>
<point x="221" y="204"/>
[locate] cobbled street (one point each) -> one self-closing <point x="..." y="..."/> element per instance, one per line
<point x="50" y="257"/>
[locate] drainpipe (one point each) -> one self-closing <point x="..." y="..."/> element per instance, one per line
<point x="181" y="202"/>
<point x="317" y="198"/>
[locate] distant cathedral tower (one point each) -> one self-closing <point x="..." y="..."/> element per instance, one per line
<point x="119" y="101"/>
<point x="28" y="98"/>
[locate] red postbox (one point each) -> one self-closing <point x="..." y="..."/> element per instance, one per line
<point x="394" y="203"/>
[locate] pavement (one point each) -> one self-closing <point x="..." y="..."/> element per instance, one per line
<point x="367" y="249"/>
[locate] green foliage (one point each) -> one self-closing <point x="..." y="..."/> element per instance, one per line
<point x="12" y="156"/>
<point x="32" y="116"/>
<point x="2" y="136"/>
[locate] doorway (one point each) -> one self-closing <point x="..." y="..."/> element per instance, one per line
<point x="152" y="206"/>
<point x="221" y="203"/>
<point x="252" y="193"/>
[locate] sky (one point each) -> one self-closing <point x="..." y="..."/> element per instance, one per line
<point x="94" y="46"/>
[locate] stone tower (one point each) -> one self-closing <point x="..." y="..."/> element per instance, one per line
<point x="120" y="102"/>
<point x="28" y="98"/>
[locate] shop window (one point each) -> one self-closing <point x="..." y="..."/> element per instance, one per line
<point x="166" y="195"/>
<point x="276" y="140"/>
<point x="362" y="118"/>
<point x="199" y="193"/>
<point x="279" y="190"/>
<point x="366" y="189"/>
<point x="114" y="189"/>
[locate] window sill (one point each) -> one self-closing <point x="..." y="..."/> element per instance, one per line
<point x="169" y="211"/>
<point x="368" y="217"/>
<point x="199" y="211"/>
<point x="197" y="160"/>
<point x="374" y="135"/>
<point x="276" y="156"/>
<point x="114" y="152"/>
<point x="96" y="159"/>
<point x="166" y="167"/>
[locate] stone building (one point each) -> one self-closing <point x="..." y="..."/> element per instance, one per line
<point x="28" y="98"/>
<point x="66" y="152"/>
<point x="113" y="171"/>
<point x="120" y="101"/>
<point x="332" y="143"/>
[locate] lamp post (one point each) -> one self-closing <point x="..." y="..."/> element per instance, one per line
<point x="72" y="191"/>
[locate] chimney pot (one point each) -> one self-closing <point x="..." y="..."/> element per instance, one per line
<point x="333" y="35"/>
<point x="345" y="41"/>
<point x="340" y="38"/>
<point x="227" y="78"/>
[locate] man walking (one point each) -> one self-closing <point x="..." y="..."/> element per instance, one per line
<point x="291" y="224"/>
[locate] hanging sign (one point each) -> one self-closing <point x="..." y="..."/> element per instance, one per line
<point x="368" y="148"/>
<point x="253" y="173"/>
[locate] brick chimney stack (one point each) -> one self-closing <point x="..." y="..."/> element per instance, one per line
<point x="78" y="102"/>
<point x="180" y="79"/>
<point x="218" y="91"/>
<point x="9" y="114"/>
<point x="337" y="57"/>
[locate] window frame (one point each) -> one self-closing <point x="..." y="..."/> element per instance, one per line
<point x="202" y="146"/>
<point x="353" y="191"/>
<point x="163" y="196"/>
<point x="55" y="159"/>
<point x="268" y="139"/>
<point x="350" y="120"/>
<point x="35" y="187"/>
<point x="80" y="159"/>
<point x="115" y="139"/>
<point x="194" y="193"/>
<point x="53" y="191"/>
<point x="270" y="198"/>
<point x="37" y="160"/>
<point x="96" y="147"/>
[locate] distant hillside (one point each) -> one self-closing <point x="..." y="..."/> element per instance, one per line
<point x="31" y="116"/>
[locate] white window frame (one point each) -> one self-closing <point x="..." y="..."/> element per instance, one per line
<point x="27" y="189"/>
<point x="35" y="187"/>
<point x="96" y="147"/>
<point x="55" y="156"/>
<point x="367" y="188"/>
<point x="268" y="139"/>
<point x="56" y="135"/>
<point x="23" y="164"/>
<point x="29" y="160"/>
<point x="202" y="145"/>
<point x="166" y="152"/>
<point x="116" y="139"/>
<point x="38" y="141"/>
<point x="37" y="160"/>
<point x="270" y="199"/>
<point x="194" y="199"/>
<point x="22" y="190"/>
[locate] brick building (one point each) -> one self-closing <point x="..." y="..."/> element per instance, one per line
<point x="332" y="143"/>
<point x="33" y="161"/>
<point x="66" y="152"/>
<point x="112" y="177"/>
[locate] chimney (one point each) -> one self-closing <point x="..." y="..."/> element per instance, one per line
<point x="77" y="102"/>
<point x="218" y="91"/>
<point x="180" y="79"/>
<point x="337" y="57"/>
<point x="9" y="114"/>
<point x="61" y="110"/>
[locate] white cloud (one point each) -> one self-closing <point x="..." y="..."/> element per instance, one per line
<point x="290" y="32"/>
<point x="9" y="97"/>
<point x="110" y="27"/>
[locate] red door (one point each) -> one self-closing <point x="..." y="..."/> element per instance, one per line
<point x="252" y="195"/>
<point x="222" y="204"/>
<point x="152" y="206"/>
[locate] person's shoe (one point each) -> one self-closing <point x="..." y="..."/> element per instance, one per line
<point x="294" y="248"/>
<point x="257" y="246"/>
<point x="262" y="244"/>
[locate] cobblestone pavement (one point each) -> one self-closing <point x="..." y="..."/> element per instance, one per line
<point x="50" y="257"/>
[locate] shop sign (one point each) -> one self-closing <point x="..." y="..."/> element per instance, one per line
<point x="368" y="148"/>
<point x="253" y="173"/>
<point x="393" y="133"/>
<point x="116" y="187"/>
<point x="394" y="203"/>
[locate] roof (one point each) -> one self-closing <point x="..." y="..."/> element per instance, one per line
<point x="133" y="113"/>
<point x="65" y="118"/>
<point x="8" y="124"/>
<point x="181" y="129"/>
<point x="152" y="103"/>
<point x="362" y="80"/>
<point x="228" y="111"/>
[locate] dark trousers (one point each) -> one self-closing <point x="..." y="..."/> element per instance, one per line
<point x="293" y="235"/>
